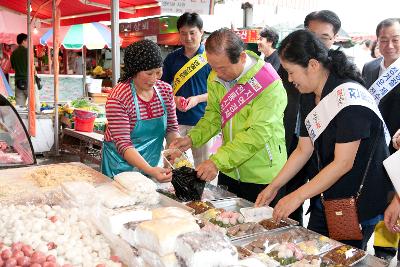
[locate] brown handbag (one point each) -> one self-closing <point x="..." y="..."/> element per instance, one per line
<point x="342" y="219"/>
<point x="341" y="214"/>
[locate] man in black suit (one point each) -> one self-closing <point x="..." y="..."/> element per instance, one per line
<point x="325" y="24"/>
<point x="388" y="34"/>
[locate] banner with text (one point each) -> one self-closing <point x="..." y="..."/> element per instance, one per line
<point x="203" y="7"/>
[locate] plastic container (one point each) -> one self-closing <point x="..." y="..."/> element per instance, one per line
<point x="84" y="125"/>
<point x="95" y="86"/>
<point x="84" y="114"/>
<point x="175" y="158"/>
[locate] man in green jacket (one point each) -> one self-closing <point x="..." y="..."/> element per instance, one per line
<point x="246" y="100"/>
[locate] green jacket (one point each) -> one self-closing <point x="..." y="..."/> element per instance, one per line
<point x="253" y="148"/>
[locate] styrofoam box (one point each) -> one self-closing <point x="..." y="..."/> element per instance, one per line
<point x="95" y="86"/>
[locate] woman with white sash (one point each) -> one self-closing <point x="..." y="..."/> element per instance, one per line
<point x="340" y="122"/>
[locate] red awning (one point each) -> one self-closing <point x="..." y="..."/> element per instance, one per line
<point x="76" y="12"/>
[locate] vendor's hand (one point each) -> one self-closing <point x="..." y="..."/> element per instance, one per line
<point x="207" y="170"/>
<point x="179" y="103"/>
<point x="182" y="143"/>
<point x="162" y="175"/>
<point x="396" y="140"/>
<point x="192" y="102"/>
<point x="286" y="206"/>
<point x="266" y="196"/>
<point x="392" y="215"/>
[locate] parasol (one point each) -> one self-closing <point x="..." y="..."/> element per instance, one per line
<point x="90" y="35"/>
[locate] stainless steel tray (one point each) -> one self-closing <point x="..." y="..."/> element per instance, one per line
<point x="169" y="202"/>
<point x="232" y="204"/>
<point x="211" y="192"/>
<point x="371" y="261"/>
<point x="261" y="231"/>
<point x="244" y="241"/>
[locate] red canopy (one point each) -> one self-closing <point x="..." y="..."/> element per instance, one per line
<point x="76" y="11"/>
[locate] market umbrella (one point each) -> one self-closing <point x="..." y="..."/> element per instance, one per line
<point x="90" y="35"/>
<point x="5" y="88"/>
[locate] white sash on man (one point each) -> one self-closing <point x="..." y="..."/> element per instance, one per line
<point x="386" y="82"/>
<point x="342" y="96"/>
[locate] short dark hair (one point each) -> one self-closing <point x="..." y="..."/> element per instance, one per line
<point x="21" y="37"/>
<point x="225" y="41"/>
<point x="373" y="47"/>
<point x="271" y="35"/>
<point x="326" y="16"/>
<point x="189" y="19"/>
<point x="386" y="23"/>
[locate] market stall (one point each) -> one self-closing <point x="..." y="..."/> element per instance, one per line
<point x="86" y="145"/>
<point x="71" y="214"/>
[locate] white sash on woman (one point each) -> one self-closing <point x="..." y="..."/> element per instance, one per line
<point x="386" y="82"/>
<point x="344" y="95"/>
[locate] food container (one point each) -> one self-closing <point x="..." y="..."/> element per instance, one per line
<point x="270" y="224"/>
<point x="165" y="201"/>
<point x="345" y="255"/>
<point x="232" y="204"/>
<point x="213" y="192"/>
<point x="253" y="214"/>
<point x="244" y="230"/>
<point x="267" y="243"/>
<point x="309" y="242"/>
<point x="175" y="158"/>
<point x="210" y="192"/>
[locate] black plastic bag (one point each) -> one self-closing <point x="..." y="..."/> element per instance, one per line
<point x="186" y="184"/>
<point x="38" y="82"/>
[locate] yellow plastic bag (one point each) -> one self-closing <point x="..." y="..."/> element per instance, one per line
<point x="384" y="238"/>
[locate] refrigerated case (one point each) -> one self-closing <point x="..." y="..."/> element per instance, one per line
<point x="15" y="145"/>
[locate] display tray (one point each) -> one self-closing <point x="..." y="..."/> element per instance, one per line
<point x="169" y="202"/>
<point x="309" y="242"/>
<point x="40" y="184"/>
<point x="211" y="192"/>
<point x="269" y="224"/>
<point x="246" y="240"/>
<point x="258" y="230"/>
<point x="345" y="255"/>
<point x="232" y="204"/>
<point x="371" y="261"/>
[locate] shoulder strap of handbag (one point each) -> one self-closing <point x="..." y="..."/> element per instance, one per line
<point x="368" y="163"/>
<point x="389" y="79"/>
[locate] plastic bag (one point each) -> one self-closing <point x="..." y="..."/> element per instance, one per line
<point x="187" y="185"/>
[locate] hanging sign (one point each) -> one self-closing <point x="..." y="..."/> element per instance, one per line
<point x="203" y="7"/>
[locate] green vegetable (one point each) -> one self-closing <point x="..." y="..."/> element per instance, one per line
<point x="84" y="103"/>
